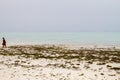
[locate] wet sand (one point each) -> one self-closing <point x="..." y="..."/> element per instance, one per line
<point x="59" y="62"/>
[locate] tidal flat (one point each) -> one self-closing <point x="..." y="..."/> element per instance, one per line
<point x="53" y="62"/>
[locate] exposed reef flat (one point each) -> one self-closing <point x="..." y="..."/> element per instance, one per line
<point x="54" y="62"/>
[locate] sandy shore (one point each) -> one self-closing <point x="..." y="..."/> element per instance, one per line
<point x="59" y="62"/>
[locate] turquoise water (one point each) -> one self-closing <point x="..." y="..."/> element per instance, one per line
<point x="103" y="38"/>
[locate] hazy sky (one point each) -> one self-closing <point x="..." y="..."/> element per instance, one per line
<point x="59" y="15"/>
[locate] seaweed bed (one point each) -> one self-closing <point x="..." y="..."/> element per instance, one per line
<point x="55" y="52"/>
<point x="102" y="63"/>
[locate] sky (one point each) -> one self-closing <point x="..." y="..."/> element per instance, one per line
<point x="59" y="15"/>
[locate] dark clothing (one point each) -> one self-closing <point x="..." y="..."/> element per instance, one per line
<point x="4" y="42"/>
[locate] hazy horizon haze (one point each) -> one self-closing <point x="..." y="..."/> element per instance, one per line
<point x="59" y="16"/>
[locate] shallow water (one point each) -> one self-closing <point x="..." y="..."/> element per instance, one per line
<point x="102" y="38"/>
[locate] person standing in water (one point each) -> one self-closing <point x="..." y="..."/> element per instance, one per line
<point x="3" y="42"/>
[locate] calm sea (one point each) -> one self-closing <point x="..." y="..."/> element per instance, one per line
<point x="102" y="38"/>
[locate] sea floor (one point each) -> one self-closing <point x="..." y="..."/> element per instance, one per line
<point x="57" y="63"/>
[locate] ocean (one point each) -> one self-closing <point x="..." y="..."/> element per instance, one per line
<point x="85" y="38"/>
